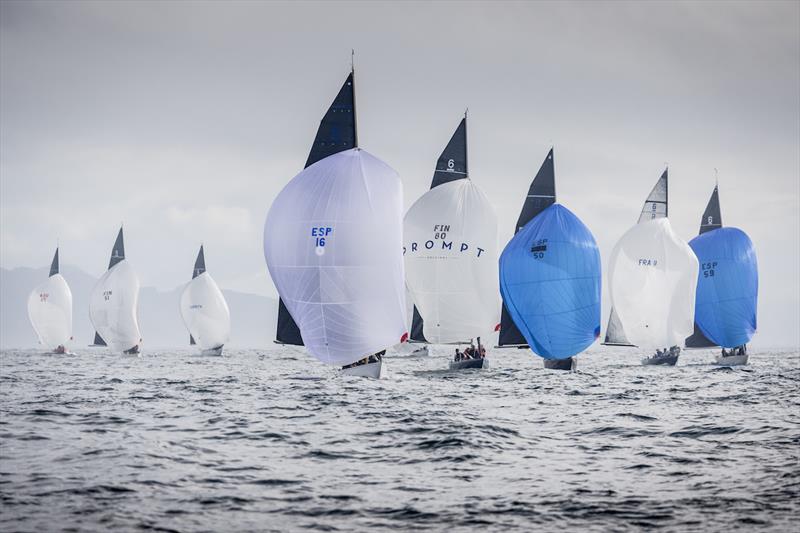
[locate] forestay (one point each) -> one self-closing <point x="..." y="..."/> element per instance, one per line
<point x="653" y="275"/>
<point x="727" y="286"/>
<point x="50" y="309"/>
<point x="450" y="250"/>
<point x="112" y="307"/>
<point x="333" y="246"/>
<point x="550" y="279"/>
<point x="205" y="312"/>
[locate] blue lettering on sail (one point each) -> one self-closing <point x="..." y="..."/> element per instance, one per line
<point x="320" y="234"/>
<point x="648" y="262"/>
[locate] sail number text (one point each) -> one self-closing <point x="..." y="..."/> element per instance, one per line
<point x="708" y="269"/>
<point x="648" y="262"/>
<point x="539" y="248"/>
<point x="107" y="295"/>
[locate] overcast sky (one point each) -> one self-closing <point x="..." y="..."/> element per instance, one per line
<point x="184" y="120"/>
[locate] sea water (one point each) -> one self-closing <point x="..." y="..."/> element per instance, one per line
<point x="271" y="439"/>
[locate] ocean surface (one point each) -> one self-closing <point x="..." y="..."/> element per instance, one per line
<point x="272" y="440"/>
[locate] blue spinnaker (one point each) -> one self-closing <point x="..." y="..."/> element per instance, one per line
<point x="727" y="287"/>
<point x="550" y="282"/>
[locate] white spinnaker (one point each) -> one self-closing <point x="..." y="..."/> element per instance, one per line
<point x="333" y="245"/>
<point x="112" y="307"/>
<point x="205" y="312"/>
<point x="653" y="277"/>
<point x="50" y="312"/>
<point x="450" y="243"/>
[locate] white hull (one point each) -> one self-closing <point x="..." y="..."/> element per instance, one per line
<point x="370" y="370"/>
<point x="422" y="351"/>
<point x="731" y="360"/>
<point x="212" y="351"/>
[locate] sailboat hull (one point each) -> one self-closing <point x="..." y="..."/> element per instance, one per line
<point x="469" y="363"/>
<point x="370" y="370"/>
<point x="663" y="360"/>
<point x="568" y="364"/>
<point x="731" y="360"/>
<point x="212" y="351"/>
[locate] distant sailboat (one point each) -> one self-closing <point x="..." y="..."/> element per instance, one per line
<point x="337" y="132"/>
<point x="550" y="280"/>
<point x="656" y="206"/>
<point x="727" y="286"/>
<point x="50" y="310"/>
<point x="652" y="279"/>
<point x="333" y="245"/>
<point x="541" y="195"/>
<point x="113" y="303"/>
<point x="450" y="250"/>
<point x="204" y="310"/>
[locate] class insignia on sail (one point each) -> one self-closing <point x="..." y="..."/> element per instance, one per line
<point x="652" y="279"/>
<point x="541" y="195"/>
<point x="114" y="301"/>
<point x="550" y="281"/>
<point x="50" y="310"/>
<point x="727" y="284"/>
<point x="204" y="310"/>
<point x="337" y="132"/>
<point x="333" y="247"/>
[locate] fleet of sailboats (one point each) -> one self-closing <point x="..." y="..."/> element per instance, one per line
<point x="343" y="258"/>
<point x="204" y="310"/>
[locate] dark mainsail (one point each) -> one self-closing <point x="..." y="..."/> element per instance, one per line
<point x="451" y="166"/>
<point x="199" y="268"/>
<point x="117" y="255"/>
<point x="541" y="195"/>
<point x="712" y="216"/>
<point x="712" y="219"/>
<point x="54" y="264"/>
<point x="656" y="206"/>
<point x="337" y="132"/>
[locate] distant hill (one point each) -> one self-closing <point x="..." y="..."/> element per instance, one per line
<point x="252" y="317"/>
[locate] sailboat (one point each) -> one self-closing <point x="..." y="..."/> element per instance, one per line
<point x="50" y="310"/>
<point x="113" y="303"/>
<point x="550" y="282"/>
<point x="333" y="244"/>
<point x="652" y="278"/>
<point x="450" y="236"/>
<point x="204" y="310"/>
<point x="727" y="287"/>
<point x="656" y="206"/>
<point x="337" y="132"/>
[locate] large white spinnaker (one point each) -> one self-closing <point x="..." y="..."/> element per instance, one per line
<point x="205" y="312"/>
<point x="653" y="278"/>
<point x="333" y="245"/>
<point x="450" y="247"/>
<point x="50" y="310"/>
<point x="112" y="307"/>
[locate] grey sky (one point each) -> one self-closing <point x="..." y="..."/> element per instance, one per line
<point x="184" y="120"/>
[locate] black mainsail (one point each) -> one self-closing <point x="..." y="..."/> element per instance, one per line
<point x="54" y="265"/>
<point x="117" y="255"/>
<point x="541" y="195"/>
<point x="656" y="206"/>
<point x="451" y="166"/>
<point x="337" y="132"/>
<point x="199" y="268"/>
<point x="712" y="219"/>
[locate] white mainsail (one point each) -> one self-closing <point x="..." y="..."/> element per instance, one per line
<point x="205" y="312"/>
<point x="50" y="312"/>
<point x="450" y="247"/>
<point x="653" y="277"/>
<point x="112" y="307"/>
<point x="333" y="245"/>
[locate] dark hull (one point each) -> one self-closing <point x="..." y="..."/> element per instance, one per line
<point x="569" y="363"/>
<point x="469" y="363"/>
